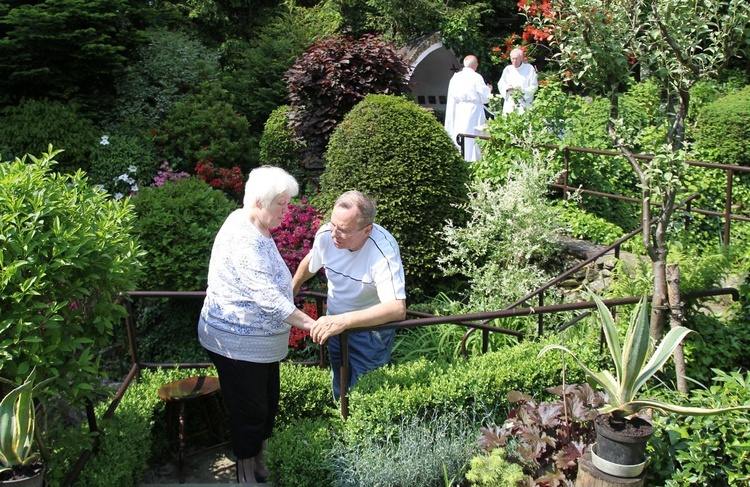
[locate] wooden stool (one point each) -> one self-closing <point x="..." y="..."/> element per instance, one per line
<point x="179" y="393"/>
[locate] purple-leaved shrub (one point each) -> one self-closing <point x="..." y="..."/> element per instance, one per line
<point x="547" y="438"/>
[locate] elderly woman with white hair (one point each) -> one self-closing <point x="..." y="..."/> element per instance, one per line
<point x="247" y="314"/>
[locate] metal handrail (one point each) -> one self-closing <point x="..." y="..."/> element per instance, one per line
<point x="730" y="169"/>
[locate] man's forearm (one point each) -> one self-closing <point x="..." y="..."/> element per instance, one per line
<point x="329" y="325"/>
<point x="302" y="274"/>
<point x="377" y="315"/>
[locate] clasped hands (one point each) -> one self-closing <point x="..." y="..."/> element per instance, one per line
<point x="325" y="327"/>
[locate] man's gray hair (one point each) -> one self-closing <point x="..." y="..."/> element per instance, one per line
<point x="364" y="204"/>
<point x="471" y="61"/>
<point x="266" y="183"/>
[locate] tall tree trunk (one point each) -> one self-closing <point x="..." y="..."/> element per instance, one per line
<point x="659" y="301"/>
<point x="676" y="318"/>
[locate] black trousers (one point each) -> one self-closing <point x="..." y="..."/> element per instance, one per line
<point x="251" y="395"/>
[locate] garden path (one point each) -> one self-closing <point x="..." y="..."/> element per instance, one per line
<point x="213" y="467"/>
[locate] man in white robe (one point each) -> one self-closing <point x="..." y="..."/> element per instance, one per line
<point x="517" y="84"/>
<point x="464" y="111"/>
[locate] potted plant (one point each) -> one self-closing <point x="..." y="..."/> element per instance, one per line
<point x="19" y="462"/>
<point x="621" y="434"/>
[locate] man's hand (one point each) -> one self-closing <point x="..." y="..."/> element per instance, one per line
<point x="326" y="327"/>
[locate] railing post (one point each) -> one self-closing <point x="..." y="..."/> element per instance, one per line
<point x="461" y="144"/>
<point x="344" y="372"/>
<point x="566" y="158"/>
<point x="321" y="349"/>
<point x="540" y="318"/>
<point x="130" y="327"/>
<point x="728" y="206"/>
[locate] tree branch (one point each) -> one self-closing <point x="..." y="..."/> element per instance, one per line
<point x="676" y="51"/>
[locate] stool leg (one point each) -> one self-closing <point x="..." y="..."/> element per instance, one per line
<point x="181" y="445"/>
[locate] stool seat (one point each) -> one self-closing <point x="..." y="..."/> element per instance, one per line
<point x="190" y="388"/>
<point x="177" y="395"/>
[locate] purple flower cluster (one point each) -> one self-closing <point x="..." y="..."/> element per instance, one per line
<point x="294" y="237"/>
<point x="166" y="173"/>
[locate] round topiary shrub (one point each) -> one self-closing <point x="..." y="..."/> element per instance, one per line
<point x="177" y="223"/>
<point x="33" y="125"/>
<point x="397" y="152"/>
<point x="68" y="253"/>
<point x="278" y="146"/>
<point x="723" y="132"/>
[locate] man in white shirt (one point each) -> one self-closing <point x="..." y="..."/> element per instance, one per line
<point x="464" y="110"/>
<point x="518" y="84"/>
<point x="366" y="286"/>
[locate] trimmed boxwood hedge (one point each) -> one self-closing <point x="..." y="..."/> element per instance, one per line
<point x="394" y="150"/>
<point x="723" y="132"/>
<point x="389" y="394"/>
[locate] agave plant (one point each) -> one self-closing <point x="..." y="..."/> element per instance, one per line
<point x="631" y="368"/>
<point x="17" y="421"/>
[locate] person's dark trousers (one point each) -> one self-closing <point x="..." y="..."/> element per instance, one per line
<point x="251" y="394"/>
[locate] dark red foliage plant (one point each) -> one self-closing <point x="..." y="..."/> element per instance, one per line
<point x="547" y="438"/>
<point x="330" y="78"/>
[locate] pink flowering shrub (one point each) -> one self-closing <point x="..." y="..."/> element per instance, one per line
<point x="166" y="173"/>
<point x="294" y="237"/>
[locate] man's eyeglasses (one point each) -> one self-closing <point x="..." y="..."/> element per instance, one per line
<point x="335" y="231"/>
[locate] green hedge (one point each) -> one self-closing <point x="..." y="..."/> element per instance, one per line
<point x="387" y="404"/>
<point x="34" y="124"/>
<point x="387" y="395"/>
<point x="723" y="131"/>
<point x="177" y="224"/>
<point x="136" y="432"/>
<point x="278" y="146"/>
<point x="395" y="151"/>
<point x="126" y="442"/>
<point x="710" y="450"/>
<point x="68" y="252"/>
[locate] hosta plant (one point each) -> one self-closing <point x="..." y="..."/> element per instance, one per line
<point x="633" y="366"/>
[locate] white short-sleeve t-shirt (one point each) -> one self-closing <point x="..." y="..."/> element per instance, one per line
<point x="361" y="279"/>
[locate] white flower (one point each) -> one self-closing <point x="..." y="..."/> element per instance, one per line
<point x="134" y="188"/>
<point x="132" y="169"/>
<point x="118" y="196"/>
<point x="123" y="177"/>
<point x="105" y="140"/>
<point x="130" y="181"/>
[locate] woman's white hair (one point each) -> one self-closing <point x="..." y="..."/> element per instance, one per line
<point x="266" y="183"/>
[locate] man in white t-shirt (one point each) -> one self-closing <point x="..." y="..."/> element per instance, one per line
<point x="366" y="286"/>
<point x="518" y="84"/>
